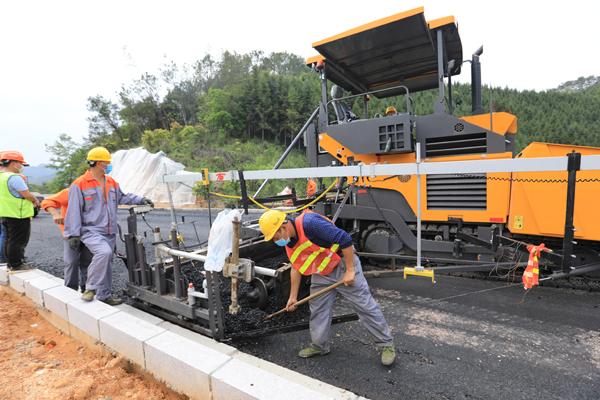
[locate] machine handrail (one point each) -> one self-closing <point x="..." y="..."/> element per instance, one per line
<point x="407" y="95"/>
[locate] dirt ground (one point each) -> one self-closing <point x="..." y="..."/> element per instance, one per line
<point x="38" y="362"/>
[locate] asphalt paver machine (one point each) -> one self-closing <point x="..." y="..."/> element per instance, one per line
<point x="478" y="218"/>
<point x="449" y="191"/>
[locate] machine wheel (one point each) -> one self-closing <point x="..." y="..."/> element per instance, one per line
<point x="380" y="238"/>
<point x="259" y="295"/>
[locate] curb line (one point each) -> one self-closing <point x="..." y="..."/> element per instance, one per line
<point x="189" y="363"/>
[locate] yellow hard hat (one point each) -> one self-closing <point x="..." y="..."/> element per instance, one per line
<point x="270" y="222"/>
<point x="390" y="110"/>
<point x="99" y="154"/>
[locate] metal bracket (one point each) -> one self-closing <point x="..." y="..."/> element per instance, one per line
<point x="205" y="181"/>
<point x="244" y="269"/>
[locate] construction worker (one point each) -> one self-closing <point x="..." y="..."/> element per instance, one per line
<point x="76" y="260"/>
<point x="91" y="218"/>
<point x="2" y="229"/>
<point x="16" y="209"/>
<point x="2" y="240"/>
<point x="313" y="245"/>
<point x="390" y="110"/>
<point x="311" y="187"/>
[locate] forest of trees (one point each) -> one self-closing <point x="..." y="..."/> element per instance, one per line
<point x="241" y="110"/>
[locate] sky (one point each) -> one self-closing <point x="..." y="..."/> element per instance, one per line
<point x="56" y="54"/>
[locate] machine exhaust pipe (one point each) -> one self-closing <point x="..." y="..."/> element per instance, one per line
<point x="476" y="101"/>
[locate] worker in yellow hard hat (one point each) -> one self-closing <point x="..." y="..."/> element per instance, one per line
<point x="319" y="249"/>
<point x="16" y="208"/>
<point x="390" y="110"/>
<point x="91" y="218"/>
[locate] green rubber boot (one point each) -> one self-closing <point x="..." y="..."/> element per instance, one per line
<point x="112" y="301"/>
<point x="88" y="295"/>
<point x="388" y="355"/>
<point x="311" y="351"/>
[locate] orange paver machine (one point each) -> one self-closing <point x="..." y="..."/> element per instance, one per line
<point x="482" y="218"/>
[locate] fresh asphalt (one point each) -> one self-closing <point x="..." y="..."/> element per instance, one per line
<point x="458" y="339"/>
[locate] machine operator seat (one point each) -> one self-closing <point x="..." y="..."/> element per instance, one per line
<point x="342" y="111"/>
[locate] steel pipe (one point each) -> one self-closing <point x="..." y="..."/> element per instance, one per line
<point x="179" y="253"/>
<point x="197" y="257"/>
<point x="265" y="271"/>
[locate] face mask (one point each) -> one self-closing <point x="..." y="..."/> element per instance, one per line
<point x="282" y="242"/>
<point x="108" y="169"/>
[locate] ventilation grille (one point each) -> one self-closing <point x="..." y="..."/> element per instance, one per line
<point x="471" y="143"/>
<point x="391" y="137"/>
<point x="455" y="192"/>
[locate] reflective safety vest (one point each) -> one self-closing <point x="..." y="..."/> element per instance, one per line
<point x="11" y="206"/>
<point x="531" y="276"/>
<point x="308" y="258"/>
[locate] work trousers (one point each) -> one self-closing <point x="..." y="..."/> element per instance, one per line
<point x="76" y="265"/>
<point x="99" y="276"/>
<point x="17" y="237"/>
<point x="359" y="296"/>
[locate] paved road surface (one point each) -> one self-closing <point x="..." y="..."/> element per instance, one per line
<point x="495" y="343"/>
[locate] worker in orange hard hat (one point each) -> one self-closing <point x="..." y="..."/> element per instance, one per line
<point x="16" y="208"/>
<point x="311" y="187"/>
<point x="390" y="110"/>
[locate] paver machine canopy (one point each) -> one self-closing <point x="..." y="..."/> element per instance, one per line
<point x="400" y="50"/>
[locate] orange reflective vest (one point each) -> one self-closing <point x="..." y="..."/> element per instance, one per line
<point x="531" y="276"/>
<point x="308" y="258"/>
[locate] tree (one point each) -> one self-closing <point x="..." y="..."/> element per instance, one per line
<point x="104" y="121"/>
<point x="69" y="159"/>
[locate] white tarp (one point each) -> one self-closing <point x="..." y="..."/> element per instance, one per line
<point x="139" y="171"/>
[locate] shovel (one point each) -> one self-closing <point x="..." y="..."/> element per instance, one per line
<point x="307" y="299"/>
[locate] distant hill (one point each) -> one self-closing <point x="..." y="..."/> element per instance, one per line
<point x="580" y="84"/>
<point x="40" y="174"/>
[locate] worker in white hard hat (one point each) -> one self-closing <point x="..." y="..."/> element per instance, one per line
<point x="91" y="218"/>
<point x="318" y="248"/>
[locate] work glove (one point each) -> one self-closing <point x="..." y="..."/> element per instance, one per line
<point x="147" y="202"/>
<point x="74" y="242"/>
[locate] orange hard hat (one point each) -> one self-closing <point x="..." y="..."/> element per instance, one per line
<point x="13" y="155"/>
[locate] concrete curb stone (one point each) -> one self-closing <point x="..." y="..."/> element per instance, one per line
<point x="195" y="365"/>
<point x="34" y="289"/>
<point x="126" y="334"/>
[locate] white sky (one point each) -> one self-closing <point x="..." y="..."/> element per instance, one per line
<point x="55" y="54"/>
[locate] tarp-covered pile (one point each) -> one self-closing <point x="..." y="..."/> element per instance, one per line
<point x="139" y="171"/>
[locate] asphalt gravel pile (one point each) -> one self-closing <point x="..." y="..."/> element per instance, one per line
<point x="249" y="317"/>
